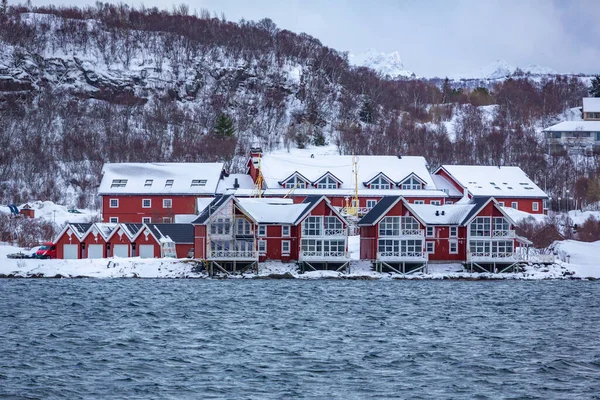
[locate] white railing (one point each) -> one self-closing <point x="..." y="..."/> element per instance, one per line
<point x="404" y="232"/>
<point x="493" y="256"/>
<point x="503" y="233"/>
<point x="233" y="254"/>
<point x="400" y="255"/>
<point x="336" y="232"/>
<point x="323" y="255"/>
<point x="360" y="211"/>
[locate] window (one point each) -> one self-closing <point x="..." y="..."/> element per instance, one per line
<point x="114" y="203"/>
<point x="430" y="231"/>
<point x="327" y="183"/>
<point x="501" y="203"/>
<point x="419" y="202"/>
<point x="380" y="183"/>
<point x="285" y="230"/>
<point x="480" y="246"/>
<point x="243" y="226"/>
<point x="118" y="183"/>
<point x="311" y="245"/>
<point x="453" y="231"/>
<point x="411" y="248"/>
<point x="148" y="182"/>
<point x="146" y="220"/>
<point x="371" y="203"/>
<point x="430" y="247"/>
<point x="597" y="136"/>
<point x="114" y="220"/>
<point x="535" y="206"/>
<point x="410" y="226"/>
<point x="146" y="203"/>
<point x="435" y="202"/>
<point x="262" y="230"/>
<point x="502" y="247"/>
<point x="312" y="226"/>
<point x="167" y="220"/>
<point x="198" y="182"/>
<point x="333" y="226"/>
<point x="480" y="226"/>
<point x="169" y="183"/>
<point x="285" y="247"/>
<point x="449" y="202"/>
<point x="389" y="226"/>
<point x="167" y="203"/>
<point x="387" y="247"/>
<point x="220" y="226"/>
<point x="411" y="184"/>
<point x="453" y="247"/>
<point x="515" y="205"/>
<point x="296" y="182"/>
<point x="334" y="248"/>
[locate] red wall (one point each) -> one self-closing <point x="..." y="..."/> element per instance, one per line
<point x="442" y="245"/>
<point x="130" y="207"/>
<point x="368" y="242"/>
<point x="200" y="241"/>
<point x="523" y="204"/>
<point x="91" y="239"/>
<point x="182" y="249"/>
<point x="141" y="239"/>
<point x="64" y="239"/>
<point x="119" y="239"/>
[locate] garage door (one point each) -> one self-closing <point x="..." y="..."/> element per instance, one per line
<point x="121" y="250"/>
<point x="70" y="251"/>
<point x="146" y="251"/>
<point x="95" y="250"/>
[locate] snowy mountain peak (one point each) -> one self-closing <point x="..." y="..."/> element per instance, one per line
<point x="501" y="69"/>
<point x="389" y="64"/>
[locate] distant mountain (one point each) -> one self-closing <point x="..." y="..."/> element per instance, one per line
<point x="388" y="64"/>
<point x="500" y="69"/>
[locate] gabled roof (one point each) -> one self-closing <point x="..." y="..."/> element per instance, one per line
<point x="179" y="233"/>
<point x="212" y="208"/>
<point x="271" y="210"/>
<point x="131" y="230"/>
<point x="329" y="174"/>
<point x="591" y="104"/>
<point x="479" y="203"/>
<point x="494" y="181"/>
<point x="379" y="210"/>
<point x="311" y="202"/>
<point x="295" y="174"/>
<point x="134" y="178"/>
<point x="104" y="229"/>
<point x="451" y="214"/>
<point x="412" y="175"/>
<point x="381" y="174"/>
<point x="79" y="230"/>
<point x="575" y="126"/>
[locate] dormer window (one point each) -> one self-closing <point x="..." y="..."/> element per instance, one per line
<point x="169" y="183"/>
<point x="295" y="182"/>
<point x="411" y="184"/>
<point x="118" y="183"/>
<point x="148" y="182"/>
<point x="327" y="183"/>
<point x="198" y="182"/>
<point x="380" y="183"/>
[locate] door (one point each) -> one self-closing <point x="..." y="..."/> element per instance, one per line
<point x="70" y="251"/>
<point x="121" y="250"/>
<point x="95" y="250"/>
<point x="146" y="250"/>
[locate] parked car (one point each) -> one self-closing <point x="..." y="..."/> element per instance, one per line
<point x="47" y="250"/>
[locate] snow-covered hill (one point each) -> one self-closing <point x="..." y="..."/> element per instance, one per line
<point x="388" y="64"/>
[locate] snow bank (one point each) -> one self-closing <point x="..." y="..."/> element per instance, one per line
<point x="57" y="214"/>
<point x="579" y="257"/>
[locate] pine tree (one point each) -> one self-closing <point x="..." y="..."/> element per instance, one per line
<point x="3" y="7"/>
<point x="224" y="126"/>
<point x="366" y="112"/>
<point x="595" y="88"/>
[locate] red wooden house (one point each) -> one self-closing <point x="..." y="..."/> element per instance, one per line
<point x="68" y="242"/>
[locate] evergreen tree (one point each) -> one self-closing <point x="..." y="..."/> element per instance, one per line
<point x="366" y="112"/>
<point x="3" y="7"/>
<point x="224" y="126"/>
<point x="446" y="91"/>
<point x="595" y="89"/>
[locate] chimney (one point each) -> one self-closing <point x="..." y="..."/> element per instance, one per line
<point x="236" y="184"/>
<point x="437" y="213"/>
<point x="255" y="152"/>
<point x="443" y="212"/>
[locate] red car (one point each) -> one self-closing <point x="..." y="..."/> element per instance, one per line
<point x="48" y="250"/>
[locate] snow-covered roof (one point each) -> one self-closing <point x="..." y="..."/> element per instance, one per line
<point x="446" y="186"/>
<point x="202" y="203"/>
<point x="226" y="184"/>
<point x="500" y="181"/>
<point x="575" y="126"/>
<point x="591" y="104"/>
<point x="363" y="192"/>
<point x="185" y="218"/>
<point x="451" y="214"/>
<point x="105" y="229"/>
<point x="160" y="178"/>
<point x="278" y="167"/>
<point x="274" y="212"/>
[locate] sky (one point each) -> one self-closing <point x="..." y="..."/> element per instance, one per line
<point x="433" y="37"/>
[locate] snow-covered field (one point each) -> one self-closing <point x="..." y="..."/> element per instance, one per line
<point x="57" y="214"/>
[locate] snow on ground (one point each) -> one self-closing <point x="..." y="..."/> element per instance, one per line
<point x="58" y="214"/>
<point x="580" y="257"/>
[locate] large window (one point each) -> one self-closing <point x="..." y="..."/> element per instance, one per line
<point x="380" y="183"/>
<point x="243" y="226"/>
<point x="389" y="226"/>
<point x="501" y="226"/>
<point x="480" y="227"/>
<point x="333" y="226"/>
<point x="388" y="247"/>
<point x="411" y="184"/>
<point x="327" y="183"/>
<point x="410" y="226"/>
<point x="481" y="247"/>
<point x="296" y="182"/>
<point x="312" y="226"/>
<point x="411" y="247"/>
<point x="311" y="245"/>
<point x="502" y="248"/>
<point x="220" y="226"/>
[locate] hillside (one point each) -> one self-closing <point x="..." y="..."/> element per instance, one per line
<point x="80" y="87"/>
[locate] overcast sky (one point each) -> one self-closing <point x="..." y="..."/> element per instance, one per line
<point x="433" y="37"/>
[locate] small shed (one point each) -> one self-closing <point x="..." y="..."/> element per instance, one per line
<point x="27" y="211"/>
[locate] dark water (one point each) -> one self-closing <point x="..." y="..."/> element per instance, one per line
<point x="299" y="339"/>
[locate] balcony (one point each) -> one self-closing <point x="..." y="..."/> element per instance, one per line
<point x="493" y="234"/>
<point x="233" y="255"/>
<point x="343" y="232"/>
<point x="494" y="257"/>
<point x="404" y="232"/>
<point x="323" y="256"/>
<point x="504" y="233"/>
<point x="402" y="256"/>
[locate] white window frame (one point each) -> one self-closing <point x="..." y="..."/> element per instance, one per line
<point x="430" y="231"/>
<point x="285" y="230"/>
<point x="435" y="203"/>
<point x="455" y="243"/>
<point x="146" y="220"/>
<point x="114" y="220"/>
<point x="419" y="202"/>
<point x="285" y="243"/>
<point x="169" y="183"/>
<point x="455" y="229"/>
<point x="148" y="182"/>
<point x="169" y="202"/>
<point x="262" y="246"/>
<point x="149" y="203"/>
<point x="295" y="182"/>
<point x="515" y="205"/>
<point x="262" y="230"/>
<point x="432" y="250"/>
<point x="449" y="202"/>
<point x="327" y="183"/>
<point x="501" y="203"/>
<point x="167" y="220"/>
<point x="110" y="203"/>
<point x="380" y="183"/>
<point x="535" y="206"/>
<point x="371" y="203"/>
<point x="411" y="184"/>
